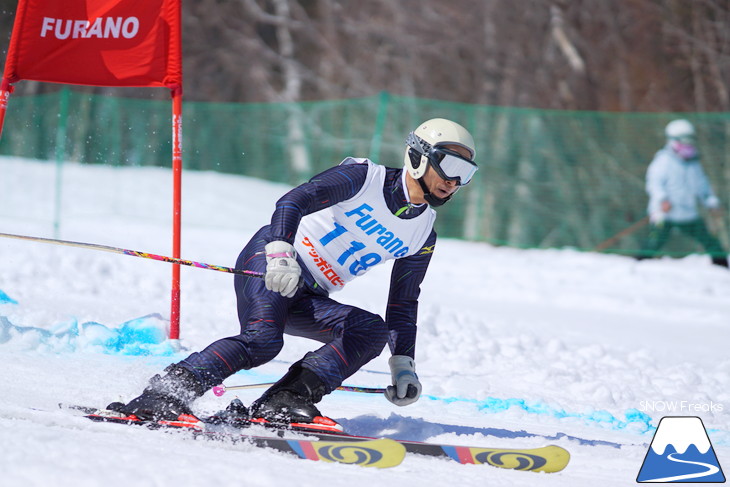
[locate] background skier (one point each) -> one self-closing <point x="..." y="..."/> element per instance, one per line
<point x="676" y="183"/>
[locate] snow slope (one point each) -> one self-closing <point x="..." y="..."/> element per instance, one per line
<point x="516" y="348"/>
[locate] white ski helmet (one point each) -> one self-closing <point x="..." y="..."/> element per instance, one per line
<point x="677" y="129"/>
<point x="434" y="132"/>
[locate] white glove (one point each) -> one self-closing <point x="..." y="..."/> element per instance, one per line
<point x="658" y="217"/>
<point x="406" y="388"/>
<point x="282" y="268"/>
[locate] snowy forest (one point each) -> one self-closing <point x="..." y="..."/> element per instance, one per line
<point x="622" y="55"/>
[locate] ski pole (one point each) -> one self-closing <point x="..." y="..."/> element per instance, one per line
<point x="221" y="389"/>
<point x="135" y="253"/>
<point x="623" y="233"/>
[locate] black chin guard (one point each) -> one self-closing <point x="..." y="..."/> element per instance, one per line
<point x="431" y="199"/>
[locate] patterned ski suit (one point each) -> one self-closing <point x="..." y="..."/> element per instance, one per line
<point x="342" y="222"/>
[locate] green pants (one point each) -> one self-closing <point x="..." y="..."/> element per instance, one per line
<point x="696" y="229"/>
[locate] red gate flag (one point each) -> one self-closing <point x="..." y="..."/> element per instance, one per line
<point x="105" y="43"/>
<point x="97" y="42"/>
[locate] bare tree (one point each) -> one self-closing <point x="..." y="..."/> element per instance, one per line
<point x="628" y="55"/>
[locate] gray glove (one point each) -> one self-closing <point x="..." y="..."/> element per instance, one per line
<point x="406" y="388"/>
<point x="282" y="268"/>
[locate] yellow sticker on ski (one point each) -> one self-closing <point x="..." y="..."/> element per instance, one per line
<point x="382" y="453"/>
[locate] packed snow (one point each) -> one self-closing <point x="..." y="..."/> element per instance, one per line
<point x="516" y="348"/>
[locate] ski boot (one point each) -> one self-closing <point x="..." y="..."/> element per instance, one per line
<point x="166" y="399"/>
<point x="289" y="404"/>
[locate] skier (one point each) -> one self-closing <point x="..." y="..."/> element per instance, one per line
<point x="322" y="234"/>
<point x="675" y="182"/>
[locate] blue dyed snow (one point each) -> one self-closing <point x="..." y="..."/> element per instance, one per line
<point x="633" y="419"/>
<point x="5" y="299"/>
<point x="137" y="337"/>
<point x="146" y="335"/>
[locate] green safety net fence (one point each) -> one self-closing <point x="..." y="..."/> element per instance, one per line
<point x="547" y="178"/>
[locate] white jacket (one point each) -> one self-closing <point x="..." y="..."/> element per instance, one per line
<point x="683" y="183"/>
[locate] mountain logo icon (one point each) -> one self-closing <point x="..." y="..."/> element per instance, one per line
<point x="681" y="452"/>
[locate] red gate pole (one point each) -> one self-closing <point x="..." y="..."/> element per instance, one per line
<point x="5" y="90"/>
<point x="176" y="209"/>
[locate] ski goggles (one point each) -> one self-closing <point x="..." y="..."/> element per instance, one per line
<point x="451" y="166"/>
<point x="684" y="150"/>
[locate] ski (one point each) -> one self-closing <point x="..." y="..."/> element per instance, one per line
<point x="548" y="459"/>
<point x="379" y="453"/>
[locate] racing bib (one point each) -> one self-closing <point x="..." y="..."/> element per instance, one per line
<point x="344" y="241"/>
